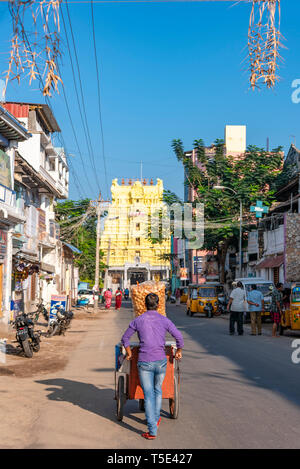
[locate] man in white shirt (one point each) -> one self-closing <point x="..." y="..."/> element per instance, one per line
<point x="237" y="304"/>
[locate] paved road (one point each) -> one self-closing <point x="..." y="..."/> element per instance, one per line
<point x="236" y="392"/>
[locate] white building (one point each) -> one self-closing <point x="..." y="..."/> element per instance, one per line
<point x="41" y="177"/>
<point x="11" y="134"/>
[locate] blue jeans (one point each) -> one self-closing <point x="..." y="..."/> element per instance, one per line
<point x="152" y="375"/>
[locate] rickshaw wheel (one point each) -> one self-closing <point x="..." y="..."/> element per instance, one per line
<point x="281" y="329"/>
<point x="121" y="398"/>
<point x="174" y="403"/>
<point x="188" y="312"/>
<point x="142" y="405"/>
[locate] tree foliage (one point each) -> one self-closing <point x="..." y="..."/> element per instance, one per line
<point x="252" y="177"/>
<point x="77" y="220"/>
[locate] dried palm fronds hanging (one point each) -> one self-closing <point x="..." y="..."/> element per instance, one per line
<point x="264" y="41"/>
<point x="35" y="45"/>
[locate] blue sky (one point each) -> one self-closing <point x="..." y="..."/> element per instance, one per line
<point x="168" y="70"/>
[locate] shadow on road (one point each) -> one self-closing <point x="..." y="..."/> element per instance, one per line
<point x="88" y="397"/>
<point x="11" y="350"/>
<point x="103" y="370"/>
<point x="262" y="361"/>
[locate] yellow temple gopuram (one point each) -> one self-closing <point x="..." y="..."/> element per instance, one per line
<point x="129" y="254"/>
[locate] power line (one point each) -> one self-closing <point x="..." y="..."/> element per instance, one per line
<point x="72" y="125"/>
<point x="82" y="98"/>
<point x="41" y="86"/>
<point x="76" y="90"/>
<point x="99" y="97"/>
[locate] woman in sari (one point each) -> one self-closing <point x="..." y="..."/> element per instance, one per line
<point x="108" y="297"/>
<point x="118" y="298"/>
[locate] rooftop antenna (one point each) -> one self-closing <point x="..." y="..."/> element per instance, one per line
<point x="141" y="171"/>
<point x="268" y="144"/>
<point x="294" y="139"/>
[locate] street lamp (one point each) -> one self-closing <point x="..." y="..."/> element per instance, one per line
<point x="218" y="187"/>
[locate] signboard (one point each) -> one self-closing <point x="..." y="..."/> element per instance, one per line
<point x="253" y="242"/>
<point x="198" y="265"/>
<point x="259" y="209"/>
<point x="56" y="301"/>
<point x="5" y="171"/>
<point x="183" y="273"/>
<point x="42" y="221"/>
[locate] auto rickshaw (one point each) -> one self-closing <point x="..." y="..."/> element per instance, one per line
<point x="204" y="298"/>
<point x="291" y="317"/>
<point x="183" y="294"/>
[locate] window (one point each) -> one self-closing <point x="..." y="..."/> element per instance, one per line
<point x="138" y="226"/>
<point x="138" y="241"/>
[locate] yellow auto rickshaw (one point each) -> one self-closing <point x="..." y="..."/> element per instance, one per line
<point x="204" y="299"/>
<point x="183" y="294"/>
<point x="291" y="317"/>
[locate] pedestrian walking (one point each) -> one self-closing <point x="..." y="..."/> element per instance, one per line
<point x="177" y="296"/>
<point x="276" y="308"/>
<point x="108" y="298"/>
<point x="256" y="308"/>
<point x="236" y="306"/>
<point x="151" y="328"/>
<point x="126" y="293"/>
<point x="118" y="298"/>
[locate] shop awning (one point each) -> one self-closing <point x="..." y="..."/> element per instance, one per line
<point x="271" y="262"/>
<point x="73" y="248"/>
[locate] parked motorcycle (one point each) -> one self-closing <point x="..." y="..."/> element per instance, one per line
<point x="222" y="305"/>
<point x="41" y="309"/>
<point x="28" y="338"/>
<point x="60" y="321"/>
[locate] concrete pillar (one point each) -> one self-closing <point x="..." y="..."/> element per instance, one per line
<point x="11" y="151"/>
<point x="7" y="277"/>
<point x="125" y="277"/>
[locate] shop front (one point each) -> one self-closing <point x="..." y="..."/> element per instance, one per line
<point x="3" y="267"/>
<point x="25" y="285"/>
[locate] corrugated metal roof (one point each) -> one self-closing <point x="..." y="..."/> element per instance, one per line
<point x="22" y="110"/>
<point x="73" y="248"/>
<point x="17" y="110"/>
<point x="10" y="127"/>
<point x="271" y="262"/>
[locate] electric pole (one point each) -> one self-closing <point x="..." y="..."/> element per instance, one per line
<point x="107" y="263"/>
<point x="99" y="206"/>
<point x="98" y="212"/>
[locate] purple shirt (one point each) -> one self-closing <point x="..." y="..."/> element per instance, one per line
<point x="151" y="328"/>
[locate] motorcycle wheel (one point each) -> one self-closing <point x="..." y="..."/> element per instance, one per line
<point x="27" y="348"/>
<point x="36" y="345"/>
<point x="52" y="330"/>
